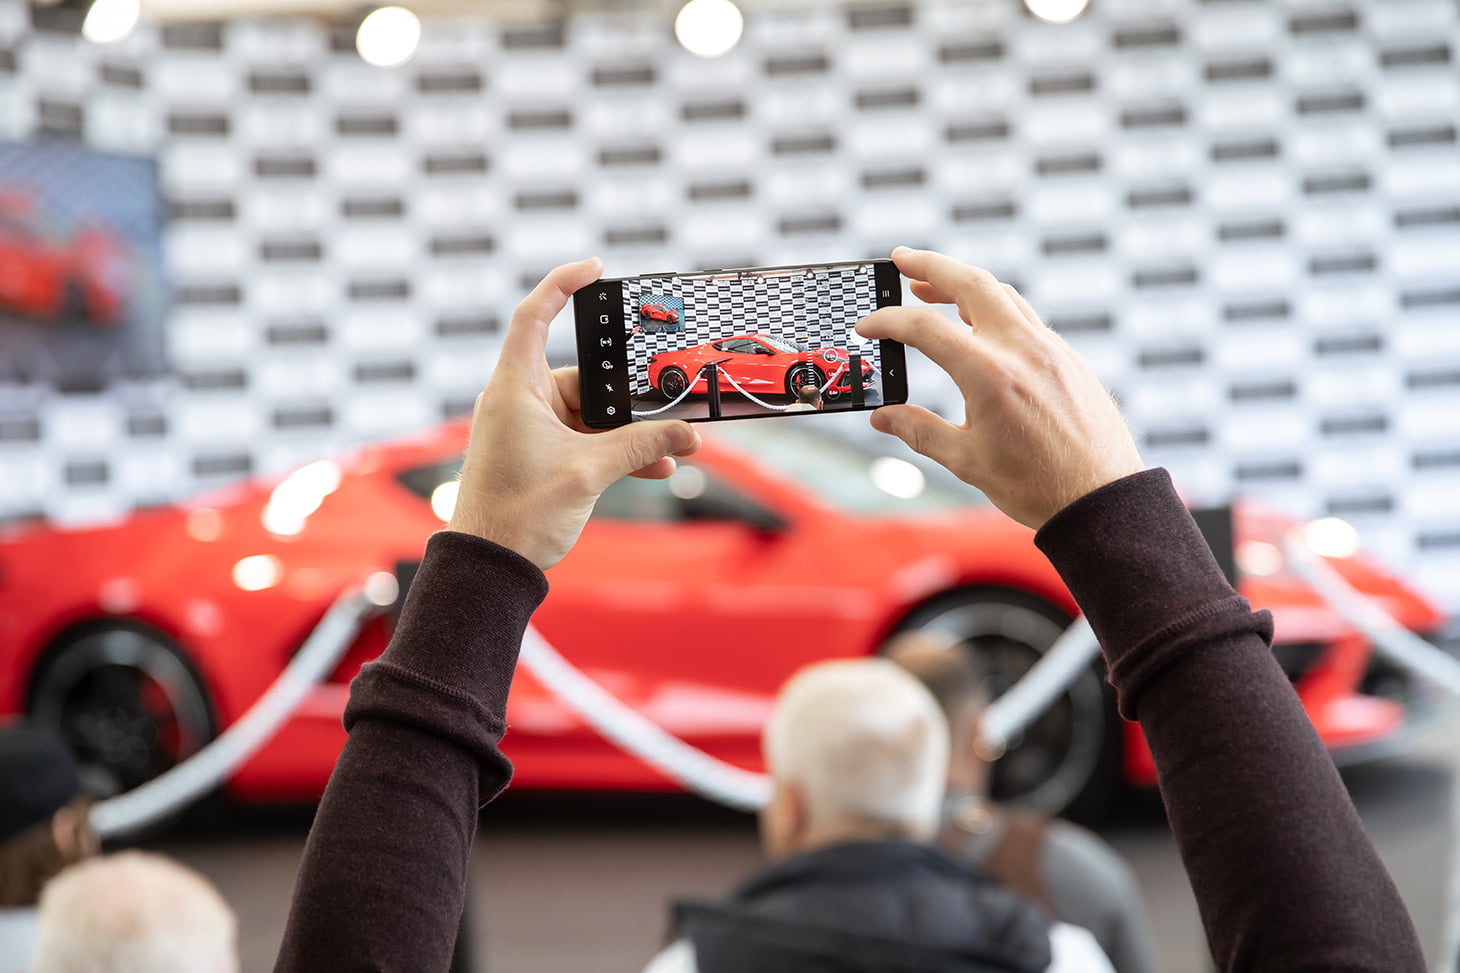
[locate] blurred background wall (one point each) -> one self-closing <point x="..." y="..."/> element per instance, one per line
<point x="1247" y="213"/>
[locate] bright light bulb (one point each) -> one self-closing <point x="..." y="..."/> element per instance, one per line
<point x="258" y="572"/>
<point x="1057" y="11"/>
<point x="109" y="21"/>
<point x="709" y="28"/>
<point x="897" y="477"/>
<point x="1259" y="558"/>
<point x="443" y="499"/>
<point x="388" y="37"/>
<point x="1332" y="537"/>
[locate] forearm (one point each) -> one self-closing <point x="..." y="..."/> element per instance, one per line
<point x="383" y="878"/>
<point x="1283" y="873"/>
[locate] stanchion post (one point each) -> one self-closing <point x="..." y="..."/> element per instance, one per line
<point x="712" y="377"/>
<point x="854" y="376"/>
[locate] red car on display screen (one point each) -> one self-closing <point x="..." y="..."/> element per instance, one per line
<point x="759" y="363"/>
<point x="691" y="599"/>
<point x="658" y="312"/>
<point x="54" y="278"/>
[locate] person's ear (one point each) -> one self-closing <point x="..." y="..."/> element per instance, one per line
<point x="65" y="832"/>
<point x="783" y="822"/>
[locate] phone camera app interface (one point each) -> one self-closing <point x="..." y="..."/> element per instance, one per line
<point x="752" y="343"/>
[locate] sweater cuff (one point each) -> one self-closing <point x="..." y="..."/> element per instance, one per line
<point x="1144" y="576"/>
<point x="449" y="668"/>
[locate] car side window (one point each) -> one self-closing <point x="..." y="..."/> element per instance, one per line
<point x="631" y="498"/>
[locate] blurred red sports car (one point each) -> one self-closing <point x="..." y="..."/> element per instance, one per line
<point x="759" y="363"/>
<point x="692" y="599"/>
<point x="658" y="312"/>
<point x="46" y="275"/>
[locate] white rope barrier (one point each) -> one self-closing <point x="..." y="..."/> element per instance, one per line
<point x="635" y="733"/>
<point x="1051" y="675"/>
<point x="179" y="786"/>
<point x="1387" y="635"/>
<point x="666" y="408"/>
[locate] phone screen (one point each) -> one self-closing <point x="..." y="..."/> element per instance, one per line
<point x="736" y="344"/>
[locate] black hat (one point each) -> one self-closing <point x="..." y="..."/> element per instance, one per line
<point x="37" y="778"/>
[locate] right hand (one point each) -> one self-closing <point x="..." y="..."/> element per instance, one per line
<point x="1040" y="430"/>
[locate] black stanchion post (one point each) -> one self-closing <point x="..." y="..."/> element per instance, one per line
<point x="854" y="376"/>
<point x="712" y="377"/>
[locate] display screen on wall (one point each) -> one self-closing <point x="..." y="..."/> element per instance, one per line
<point x="81" y="287"/>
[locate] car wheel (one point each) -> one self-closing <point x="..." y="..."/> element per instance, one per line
<point x="673" y="381"/>
<point x="803" y="374"/>
<point x="73" y="305"/>
<point x="1068" y="760"/>
<point x="126" y="701"/>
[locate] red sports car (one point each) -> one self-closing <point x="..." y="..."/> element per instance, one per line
<point x="759" y="363"/>
<point x="658" y="312"/>
<point x="691" y="599"/>
<point x="55" y="278"/>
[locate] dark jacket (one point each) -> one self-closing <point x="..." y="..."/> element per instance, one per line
<point x="867" y="907"/>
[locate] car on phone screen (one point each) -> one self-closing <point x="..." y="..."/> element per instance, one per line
<point x="52" y="277"/>
<point x="658" y="312"/>
<point x="758" y="364"/>
<point x="692" y="599"/>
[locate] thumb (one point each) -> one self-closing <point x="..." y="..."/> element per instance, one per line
<point x="925" y="432"/>
<point x="639" y="444"/>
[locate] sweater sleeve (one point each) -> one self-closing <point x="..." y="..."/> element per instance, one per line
<point x="383" y="878"/>
<point x="1284" y="875"/>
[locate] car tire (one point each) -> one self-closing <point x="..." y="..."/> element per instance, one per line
<point x="1068" y="761"/>
<point x="126" y="700"/>
<point x="801" y="374"/>
<point x="73" y="305"/>
<point x="672" y="382"/>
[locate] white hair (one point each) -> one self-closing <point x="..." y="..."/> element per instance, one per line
<point x="864" y="741"/>
<point x="134" y="913"/>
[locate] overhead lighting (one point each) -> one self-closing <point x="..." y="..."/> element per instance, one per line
<point x="1057" y="11"/>
<point x="388" y="37"/>
<point x="109" y="21"/>
<point x="709" y="28"/>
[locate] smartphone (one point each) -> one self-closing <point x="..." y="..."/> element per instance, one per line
<point x="737" y="344"/>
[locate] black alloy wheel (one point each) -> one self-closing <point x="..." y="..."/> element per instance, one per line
<point x="1068" y="760"/>
<point x="801" y="374"/>
<point x="673" y="381"/>
<point x="127" y="703"/>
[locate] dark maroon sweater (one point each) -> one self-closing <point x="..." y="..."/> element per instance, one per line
<point x="1285" y="876"/>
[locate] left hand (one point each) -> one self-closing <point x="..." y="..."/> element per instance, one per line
<point x="533" y="470"/>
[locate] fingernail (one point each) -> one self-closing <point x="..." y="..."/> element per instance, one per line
<point x="682" y="437"/>
<point x="898" y="250"/>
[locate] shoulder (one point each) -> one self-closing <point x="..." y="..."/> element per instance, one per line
<point x="1074" y="950"/>
<point x="678" y="957"/>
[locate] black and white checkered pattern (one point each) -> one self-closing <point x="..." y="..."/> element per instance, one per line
<point x="817" y="309"/>
<point x="1247" y="213"/>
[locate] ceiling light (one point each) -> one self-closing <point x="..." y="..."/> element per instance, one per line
<point x="709" y="28"/>
<point x="109" y="21"/>
<point x="388" y="37"/>
<point x="1057" y="11"/>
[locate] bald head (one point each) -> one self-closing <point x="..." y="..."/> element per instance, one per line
<point x="134" y="913"/>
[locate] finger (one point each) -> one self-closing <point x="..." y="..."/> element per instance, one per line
<point x="928" y="294"/>
<point x="640" y="446"/>
<point x="980" y="297"/>
<point x="568" y="388"/>
<point x="926" y="433"/>
<point x="1025" y="308"/>
<point x="526" y="341"/>
<point x="660" y="469"/>
<point x="927" y="329"/>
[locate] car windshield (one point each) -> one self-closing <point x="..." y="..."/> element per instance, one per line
<point x="845" y="474"/>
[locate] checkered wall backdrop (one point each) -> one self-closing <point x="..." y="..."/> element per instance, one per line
<point x="819" y="309"/>
<point x="1246" y="212"/>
